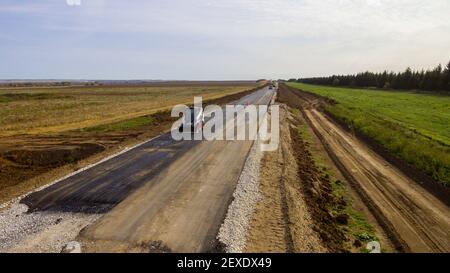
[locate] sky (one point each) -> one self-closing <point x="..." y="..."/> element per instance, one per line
<point x="219" y="39"/>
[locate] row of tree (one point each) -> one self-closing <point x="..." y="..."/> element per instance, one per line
<point x="437" y="79"/>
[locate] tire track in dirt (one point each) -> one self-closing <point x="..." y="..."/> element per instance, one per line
<point x="267" y="232"/>
<point x="285" y="206"/>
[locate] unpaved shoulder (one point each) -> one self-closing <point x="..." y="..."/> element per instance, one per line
<point x="282" y="222"/>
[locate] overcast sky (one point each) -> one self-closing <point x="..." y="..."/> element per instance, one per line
<point x="219" y="39"/>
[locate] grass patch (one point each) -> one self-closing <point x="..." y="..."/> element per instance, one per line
<point x="4" y="99"/>
<point x="413" y="126"/>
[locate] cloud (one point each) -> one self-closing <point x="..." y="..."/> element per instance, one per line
<point x="239" y="38"/>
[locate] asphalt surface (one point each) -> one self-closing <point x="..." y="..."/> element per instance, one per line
<point x="165" y="193"/>
<point x="105" y="185"/>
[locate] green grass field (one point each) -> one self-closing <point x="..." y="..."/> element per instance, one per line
<point x="414" y="126"/>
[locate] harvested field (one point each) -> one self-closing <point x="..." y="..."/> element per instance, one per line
<point x="54" y="110"/>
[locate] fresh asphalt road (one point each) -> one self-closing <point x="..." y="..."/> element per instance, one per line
<point x="169" y="193"/>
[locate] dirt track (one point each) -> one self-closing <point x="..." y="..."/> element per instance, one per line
<point x="415" y="219"/>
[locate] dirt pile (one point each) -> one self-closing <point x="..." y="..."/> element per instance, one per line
<point x="51" y="156"/>
<point x="23" y="160"/>
<point x="317" y="189"/>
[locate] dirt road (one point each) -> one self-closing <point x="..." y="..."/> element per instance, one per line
<point x="171" y="196"/>
<point x="416" y="220"/>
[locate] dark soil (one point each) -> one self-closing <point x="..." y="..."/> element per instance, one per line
<point x="318" y="191"/>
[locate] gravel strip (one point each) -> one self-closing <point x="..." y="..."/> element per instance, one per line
<point x="234" y="230"/>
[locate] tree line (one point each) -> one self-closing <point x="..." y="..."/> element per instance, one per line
<point x="437" y="79"/>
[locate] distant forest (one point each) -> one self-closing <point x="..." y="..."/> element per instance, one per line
<point x="437" y="79"/>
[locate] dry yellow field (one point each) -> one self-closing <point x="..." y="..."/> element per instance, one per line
<point x="57" y="109"/>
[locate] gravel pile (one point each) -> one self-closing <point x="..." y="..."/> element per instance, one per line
<point x="39" y="231"/>
<point x="234" y="230"/>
